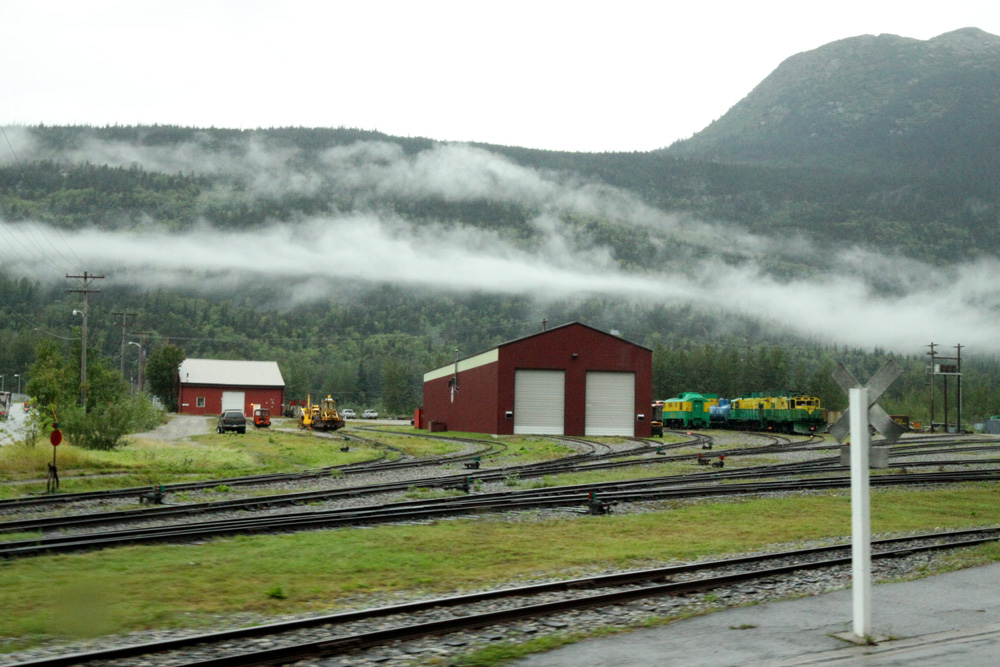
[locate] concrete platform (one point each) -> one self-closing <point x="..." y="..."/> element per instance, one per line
<point x="949" y="619"/>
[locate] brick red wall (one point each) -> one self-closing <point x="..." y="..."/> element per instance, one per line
<point x="268" y="397"/>
<point x="474" y="407"/>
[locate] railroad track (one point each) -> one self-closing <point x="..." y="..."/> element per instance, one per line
<point x="350" y="632"/>
<point x="379" y="464"/>
<point x="582" y="462"/>
<point x="826" y="466"/>
<point x="572" y="497"/>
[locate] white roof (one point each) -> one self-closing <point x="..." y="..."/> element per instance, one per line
<point x="232" y="373"/>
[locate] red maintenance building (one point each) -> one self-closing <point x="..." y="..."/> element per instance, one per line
<point x="209" y="386"/>
<point x="569" y="380"/>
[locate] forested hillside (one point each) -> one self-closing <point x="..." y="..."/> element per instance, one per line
<point x="359" y="261"/>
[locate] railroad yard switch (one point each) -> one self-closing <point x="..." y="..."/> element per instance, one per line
<point x="702" y="461"/>
<point x="598" y="507"/>
<point x="154" y="497"/>
<point x="461" y="486"/>
<point x="473" y="465"/>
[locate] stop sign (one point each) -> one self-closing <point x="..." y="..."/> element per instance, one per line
<point x="55" y="438"/>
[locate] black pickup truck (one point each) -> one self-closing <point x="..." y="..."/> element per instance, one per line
<point x="232" y="420"/>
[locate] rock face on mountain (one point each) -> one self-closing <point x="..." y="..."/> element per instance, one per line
<point x="869" y="102"/>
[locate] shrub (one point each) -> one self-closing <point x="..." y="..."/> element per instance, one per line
<point x="105" y="427"/>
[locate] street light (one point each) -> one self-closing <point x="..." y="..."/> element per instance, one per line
<point x="141" y="359"/>
<point x="1" y="383"/>
<point x="18" y="376"/>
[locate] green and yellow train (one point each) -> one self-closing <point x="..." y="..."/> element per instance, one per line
<point x="785" y="412"/>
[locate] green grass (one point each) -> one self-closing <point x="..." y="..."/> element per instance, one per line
<point x="142" y="587"/>
<point x="147" y="462"/>
<point x="419" y="447"/>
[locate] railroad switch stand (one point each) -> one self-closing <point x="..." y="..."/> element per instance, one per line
<point x="720" y="463"/>
<point x="52" y="480"/>
<point x="599" y="507"/>
<point x="702" y="461"/>
<point x="154" y="497"/>
<point x="472" y="465"/>
<point x="462" y="486"/>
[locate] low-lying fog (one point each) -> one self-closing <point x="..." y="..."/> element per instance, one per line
<point x="913" y="304"/>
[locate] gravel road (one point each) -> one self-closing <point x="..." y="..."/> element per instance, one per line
<point x="180" y="427"/>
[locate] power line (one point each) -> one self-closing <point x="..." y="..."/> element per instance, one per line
<point x="24" y="174"/>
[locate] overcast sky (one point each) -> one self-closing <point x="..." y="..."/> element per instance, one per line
<point x="580" y="75"/>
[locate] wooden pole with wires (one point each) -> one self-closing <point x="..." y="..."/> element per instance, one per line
<point x="86" y="277"/>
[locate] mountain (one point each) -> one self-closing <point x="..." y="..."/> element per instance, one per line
<point x="871" y="103"/>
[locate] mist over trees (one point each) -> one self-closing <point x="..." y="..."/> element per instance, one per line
<point x="368" y="341"/>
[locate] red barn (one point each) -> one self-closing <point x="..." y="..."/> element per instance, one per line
<point x="209" y="386"/>
<point x="570" y="380"/>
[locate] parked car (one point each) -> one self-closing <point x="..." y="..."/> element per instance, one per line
<point x="232" y="420"/>
<point x="347" y="413"/>
<point x="369" y="414"/>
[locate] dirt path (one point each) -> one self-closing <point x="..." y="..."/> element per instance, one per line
<point x="179" y="427"/>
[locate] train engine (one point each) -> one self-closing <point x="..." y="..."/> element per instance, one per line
<point x="688" y="410"/>
<point x="787" y="412"/>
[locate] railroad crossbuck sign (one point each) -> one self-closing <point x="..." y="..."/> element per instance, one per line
<point x="877" y="417"/>
<point x="855" y="422"/>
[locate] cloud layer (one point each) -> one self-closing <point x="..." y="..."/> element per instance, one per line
<point x="717" y="266"/>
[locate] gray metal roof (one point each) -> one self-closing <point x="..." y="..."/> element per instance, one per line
<point x="231" y="373"/>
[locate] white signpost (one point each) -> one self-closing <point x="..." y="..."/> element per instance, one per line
<point x="862" y="411"/>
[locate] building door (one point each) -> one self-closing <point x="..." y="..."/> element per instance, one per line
<point x="539" y="402"/>
<point x="610" y="404"/>
<point x="234" y="400"/>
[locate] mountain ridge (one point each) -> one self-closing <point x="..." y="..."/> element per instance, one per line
<point x="869" y="102"/>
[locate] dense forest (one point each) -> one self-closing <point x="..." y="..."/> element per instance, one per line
<point x="373" y="354"/>
<point x="921" y="215"/>
<point x="289" y="237"/>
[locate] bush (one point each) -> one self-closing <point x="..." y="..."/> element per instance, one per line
<point x="105" y="427"/>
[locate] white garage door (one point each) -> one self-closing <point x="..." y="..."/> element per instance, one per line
<point x="539" y="402"/>
<point x="610" y="403"/>
<point x="233" y="400"/>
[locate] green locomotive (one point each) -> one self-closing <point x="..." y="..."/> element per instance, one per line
<point x="786" y="412"/>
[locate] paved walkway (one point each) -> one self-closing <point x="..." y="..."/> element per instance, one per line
<point x="949" y="619"/>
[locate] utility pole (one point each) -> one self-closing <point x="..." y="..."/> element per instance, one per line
<point x="124" y="319"/>
<point x="87" y="277"/>
<point x="932" y="345"/>
<point x="958" y="358"/>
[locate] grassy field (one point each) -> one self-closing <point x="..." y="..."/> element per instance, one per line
<point x="252" y="578"/>
<point x="147" y="462"/>
<point x="141" y="587"/>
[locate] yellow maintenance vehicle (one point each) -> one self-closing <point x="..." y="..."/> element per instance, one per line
<point x="322" y="416"/>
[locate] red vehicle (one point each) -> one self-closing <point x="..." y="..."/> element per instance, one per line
<point x="261" y="417"/>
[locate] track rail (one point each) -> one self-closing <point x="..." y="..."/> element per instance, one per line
<point x="558" y="497"/>
<point x="614" y="588"/>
